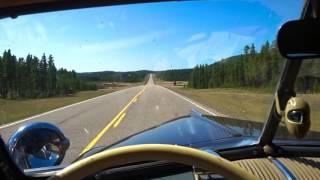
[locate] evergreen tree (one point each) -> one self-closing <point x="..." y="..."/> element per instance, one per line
<point x="43" y="76"/>
<point x="52" y="77"/>
<point x="250" y="69"/>
<point x="4" y="87"/>
<point x="2" y="82"/>
<point x="31" y="78"/>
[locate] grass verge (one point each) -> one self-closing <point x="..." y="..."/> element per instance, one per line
<point x="245" y="104"/>
<point x="13" y="110"/>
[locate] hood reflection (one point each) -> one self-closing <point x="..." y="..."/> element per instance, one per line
<point x="243" y="127"/>
<point x="202" y="131"/>
<point x="253" y="129"/>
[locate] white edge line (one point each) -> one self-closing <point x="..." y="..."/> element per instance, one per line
<point x="190" y="101"/>
<point x="58" y="109"/>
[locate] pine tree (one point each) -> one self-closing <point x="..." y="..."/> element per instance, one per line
<point x="52" y="77"/>
<point x="36" y="77"/>
<point x="4" y="87"/>
<point x="21" y="78"/>
<point x="43" y="76"/>
<point x="2" y="83"/>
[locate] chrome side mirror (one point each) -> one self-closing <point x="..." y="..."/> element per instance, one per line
<point x="38" y="144"/>
<point x="297" y="117"/>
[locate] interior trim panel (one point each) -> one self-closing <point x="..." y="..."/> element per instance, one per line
<point x="282" y="168"/>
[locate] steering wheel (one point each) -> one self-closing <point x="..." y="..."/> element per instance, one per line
<point x="150" y="152"/>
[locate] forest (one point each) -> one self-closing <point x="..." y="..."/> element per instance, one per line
<point x="32" y="77"/>
<point x="136" y="76"/>
<point x="250" y="69"/>
<point x="113" y="76"/>
<point x="174" y="74"/>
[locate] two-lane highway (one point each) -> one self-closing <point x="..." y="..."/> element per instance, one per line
<point x="109" y="118"/>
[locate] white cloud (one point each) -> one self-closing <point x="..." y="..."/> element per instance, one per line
<point x="219" y="45"/>
<point x="101" y="26"/>
<point x="111" y="24"/>
<point x="285" y="12"/>
<point x="122" y="43"/>
<point x="63" y="29"/>
<point x="24" y="35"/>
<point x="196" y="37"/>
<point x="123" y="15"/>
<point x="161" y="62"/>
<point x="250" y="30"/>
<point x="41" y="31"/>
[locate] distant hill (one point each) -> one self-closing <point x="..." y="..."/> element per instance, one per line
<point x="136" y="76"/>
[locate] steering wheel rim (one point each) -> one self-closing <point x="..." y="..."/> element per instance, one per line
<point x="149" y="152"/>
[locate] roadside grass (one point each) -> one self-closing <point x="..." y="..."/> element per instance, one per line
<point x="234" y="103"/>
<point x="13" y="110"/>
<point x="245" y="104"/>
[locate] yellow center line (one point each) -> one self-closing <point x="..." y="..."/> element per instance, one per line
<point x="105" y="129"/>
<point x="135" y="100"/>
<point x="119" y="120"/>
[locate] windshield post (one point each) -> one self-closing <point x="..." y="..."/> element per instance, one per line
<point x="285" y="90"/>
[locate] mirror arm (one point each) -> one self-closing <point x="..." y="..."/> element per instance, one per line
<point x="285" y="90"/>
<point x="286" y="84"/>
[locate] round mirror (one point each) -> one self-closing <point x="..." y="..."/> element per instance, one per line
<point x="297" y="117"/>
<point x="38" y="144"/>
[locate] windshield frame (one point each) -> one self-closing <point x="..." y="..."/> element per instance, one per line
<point x="284" y="88"/>
<point x="15" y="9"/>
<point x="285" y="83"/>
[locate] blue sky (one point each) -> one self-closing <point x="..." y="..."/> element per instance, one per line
<point x="153" y="36"/>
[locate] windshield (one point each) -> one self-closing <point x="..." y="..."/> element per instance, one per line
<point x="103" y="74"/>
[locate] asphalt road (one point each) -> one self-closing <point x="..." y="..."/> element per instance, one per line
<point x="109" y="118"/>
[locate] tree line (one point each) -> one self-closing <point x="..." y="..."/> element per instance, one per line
<point x="136" y="76"/>
<point x="32" y="77"/>
<point x="112" y="76"/>
<point x="174" y="75"/>
<point x="250" y="69"/>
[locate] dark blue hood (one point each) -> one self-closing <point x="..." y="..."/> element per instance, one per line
<point x="185" y="131"/>
<point x="193" y="131"/>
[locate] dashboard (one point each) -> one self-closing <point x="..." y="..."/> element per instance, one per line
<point x="262" y="168"/>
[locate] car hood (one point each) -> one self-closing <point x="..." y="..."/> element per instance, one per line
<point x="195" y="131"/>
